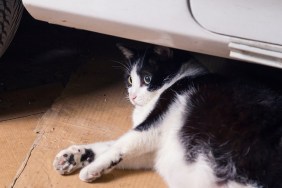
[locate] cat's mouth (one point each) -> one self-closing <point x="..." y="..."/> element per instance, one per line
<point x="135" y="102"/>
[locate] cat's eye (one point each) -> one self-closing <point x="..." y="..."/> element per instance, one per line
<point x="147" y="79"/>
<point x="129" y="80"/>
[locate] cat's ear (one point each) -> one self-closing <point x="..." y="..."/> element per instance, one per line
<point x="128" y="53"/>
<point x="164" y="52"/>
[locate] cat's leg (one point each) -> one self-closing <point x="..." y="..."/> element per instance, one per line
<point x="144" y="162"/>
<point x="78" y="156"/>
<point x="130" y="146"/>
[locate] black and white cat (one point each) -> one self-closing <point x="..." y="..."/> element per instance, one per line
<point x="194" y="128"/>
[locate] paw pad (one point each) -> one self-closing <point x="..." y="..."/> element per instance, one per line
<point x="72" y="158"/>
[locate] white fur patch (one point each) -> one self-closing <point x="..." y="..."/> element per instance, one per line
<point x="170" y="161"/>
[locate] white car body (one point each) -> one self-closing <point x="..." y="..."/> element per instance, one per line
<point x="238" y="29"/>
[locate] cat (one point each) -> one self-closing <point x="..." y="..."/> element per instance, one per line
<point x="195" y="128"/>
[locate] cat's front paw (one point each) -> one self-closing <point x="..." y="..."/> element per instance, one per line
<point x="103" y="165"/>
<point x="89" y="176"/>
<point x="73" y="158"/>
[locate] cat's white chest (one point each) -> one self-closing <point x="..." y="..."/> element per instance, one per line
<point x="141" y="112"/>
<point x="170" y="162"/>
<point x="177" y="172"/>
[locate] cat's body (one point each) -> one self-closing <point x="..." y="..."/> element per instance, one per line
<point x="195" y="128"/>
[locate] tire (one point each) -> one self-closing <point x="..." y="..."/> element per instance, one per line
<point x="10" y="16"/>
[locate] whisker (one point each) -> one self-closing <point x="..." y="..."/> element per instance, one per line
<point x="123" y="65"/>
<point x="119" y="67"/>
<point x="127" y="98"/>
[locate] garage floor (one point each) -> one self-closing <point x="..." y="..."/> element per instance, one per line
<point x="60" y="87"/>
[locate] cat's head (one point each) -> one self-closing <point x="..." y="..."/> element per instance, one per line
<point x="148" y="71"/>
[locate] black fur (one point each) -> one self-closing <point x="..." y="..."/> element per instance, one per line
<point x="89" y="156"/>
<point x="160" y="65"/>
<point x="71" y="160"/>
<point x="115" y="163"/>
<point x="241" y="125"/>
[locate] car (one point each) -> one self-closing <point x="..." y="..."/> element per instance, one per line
<point x="10" y="16"/>
<point x="245" y="30"/>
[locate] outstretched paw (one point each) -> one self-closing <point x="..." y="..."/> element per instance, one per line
<point x="73" y="158"/>
<point x="103" y="165"/>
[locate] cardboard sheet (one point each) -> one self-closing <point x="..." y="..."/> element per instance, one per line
<point x="16" y="138"/>
<point x="92" y="108"/>
<point x="20" y="112"/>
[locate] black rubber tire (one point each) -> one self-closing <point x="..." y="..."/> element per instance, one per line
<point x="10" y="16"/>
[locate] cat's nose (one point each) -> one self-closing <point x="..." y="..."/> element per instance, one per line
<point x="133" y="97"/>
